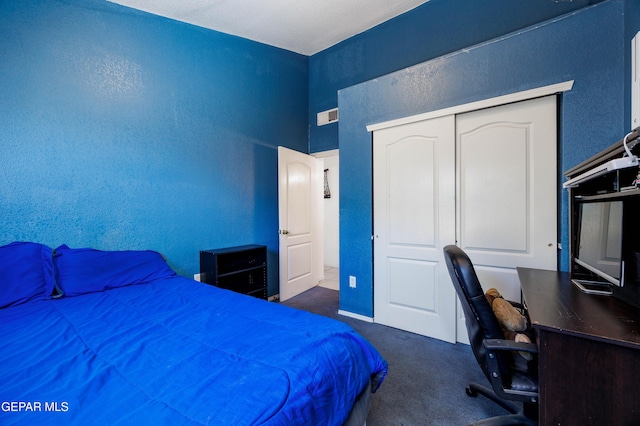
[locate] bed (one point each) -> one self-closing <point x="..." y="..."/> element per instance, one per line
<point x="99" y="337"/>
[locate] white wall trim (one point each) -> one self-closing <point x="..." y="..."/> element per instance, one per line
<point x="486" y="103"/>
<point x="353" y="315"/>
<point x="323" y="154"/>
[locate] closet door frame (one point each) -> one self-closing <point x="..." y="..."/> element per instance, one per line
<point x="498" y="101"/>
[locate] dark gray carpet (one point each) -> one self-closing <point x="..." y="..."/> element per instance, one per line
<point x="427" y="377"/>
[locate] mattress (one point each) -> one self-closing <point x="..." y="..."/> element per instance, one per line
<point x="175" y="351"/>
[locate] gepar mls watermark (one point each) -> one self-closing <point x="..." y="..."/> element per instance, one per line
<point x="27" y="406"/>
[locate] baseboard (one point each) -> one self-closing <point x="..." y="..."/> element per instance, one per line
<point x="356" y="316"/>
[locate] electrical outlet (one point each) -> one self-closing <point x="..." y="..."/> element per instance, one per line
<point x="196" y="277"/>
<point x="352" y="281"/>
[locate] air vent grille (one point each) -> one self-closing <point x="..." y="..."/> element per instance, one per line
<point x="327" y="117"/>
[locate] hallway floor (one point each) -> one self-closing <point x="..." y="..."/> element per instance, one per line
<point x="331" y="278"/>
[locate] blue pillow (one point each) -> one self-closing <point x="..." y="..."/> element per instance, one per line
<point x="85" y="270"/>
<point x="26" y="273"/>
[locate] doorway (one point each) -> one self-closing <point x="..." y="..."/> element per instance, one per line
<point x="331" y="202"/>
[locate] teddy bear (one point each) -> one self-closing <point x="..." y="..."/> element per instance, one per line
<point x="513" y="323"/>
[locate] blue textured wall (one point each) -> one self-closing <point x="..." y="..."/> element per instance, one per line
<point x="433" y="29"/>
<point x="121" y="130"/>
<point x="124" y="130"/>
<point x="588" y="46"/>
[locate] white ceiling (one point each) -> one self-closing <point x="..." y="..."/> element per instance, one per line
<point x="302" y="26"/>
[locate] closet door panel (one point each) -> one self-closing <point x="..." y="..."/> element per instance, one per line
<point x="412" y="160"/>
<point x="493" y="188"/>
<point x="413" y="219"/>
<point x="507" y="190"/>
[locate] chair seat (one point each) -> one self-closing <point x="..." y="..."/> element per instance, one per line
<point x="524" y="382"/>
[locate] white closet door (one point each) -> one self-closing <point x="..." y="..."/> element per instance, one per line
<point x="414" y="218"/>
<point x="506" y="192"/>
<point x="485" y="180"/>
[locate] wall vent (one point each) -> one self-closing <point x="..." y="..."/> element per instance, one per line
<point x="327" y="117"/>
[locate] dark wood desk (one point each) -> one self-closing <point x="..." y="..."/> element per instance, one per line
<point x="589" y="352"/>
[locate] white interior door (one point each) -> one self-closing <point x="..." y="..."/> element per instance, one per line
<point x="414" y="218"/>
<point x="506" y="189"/>
<point x="300" y="217"/>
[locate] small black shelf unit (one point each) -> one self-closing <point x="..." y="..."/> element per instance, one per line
<point x="242" y="269"/>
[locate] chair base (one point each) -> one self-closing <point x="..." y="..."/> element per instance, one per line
<point x="527" y="415"/>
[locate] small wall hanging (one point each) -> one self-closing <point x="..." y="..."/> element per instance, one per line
<point x="327" y="192"/>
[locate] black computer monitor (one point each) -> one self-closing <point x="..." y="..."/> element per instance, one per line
<point x="599" y="246"/>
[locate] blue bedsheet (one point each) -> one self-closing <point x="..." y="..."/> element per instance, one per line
<point x="173" y="352"/>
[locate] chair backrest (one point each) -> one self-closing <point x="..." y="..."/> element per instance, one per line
<point x="480" y="320"/>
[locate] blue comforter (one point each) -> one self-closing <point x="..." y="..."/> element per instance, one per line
<point x="175" y="351"/>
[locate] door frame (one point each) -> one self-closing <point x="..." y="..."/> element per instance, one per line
<point x="331" y="216"/>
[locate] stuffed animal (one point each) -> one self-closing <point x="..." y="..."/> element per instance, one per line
<point x="511" y="321"/>
<point x="508" y="316"/>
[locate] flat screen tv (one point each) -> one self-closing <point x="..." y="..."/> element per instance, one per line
<point x="599" y="246"/>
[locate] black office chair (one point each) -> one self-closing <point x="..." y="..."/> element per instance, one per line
<point x="492" y="351"/>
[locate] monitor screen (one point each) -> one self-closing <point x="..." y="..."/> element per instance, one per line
<point x="600" y="239"/>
